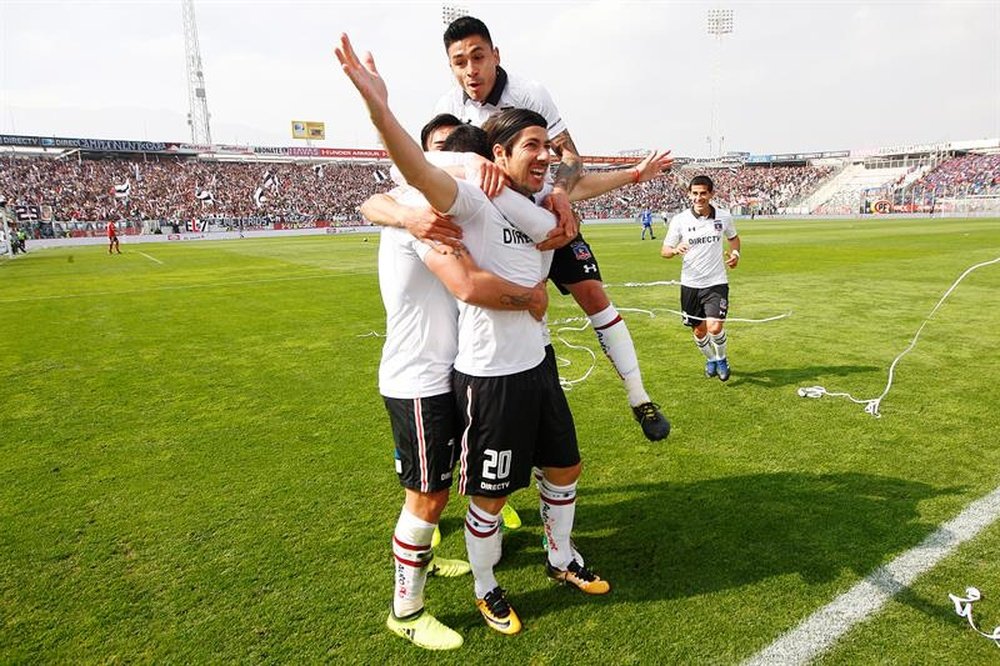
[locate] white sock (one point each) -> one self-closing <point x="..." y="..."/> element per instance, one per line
<point x="558" y="508"/>
<point x="411" y="549"/>
<point x="720" y="345"/>
<point x="705" y="346"/>
<point x="613" y="335"/>
<point x="482" y="541"/>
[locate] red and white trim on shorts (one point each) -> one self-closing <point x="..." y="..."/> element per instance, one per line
<point x="418" y="416"/>
<point x="463" y="466"/>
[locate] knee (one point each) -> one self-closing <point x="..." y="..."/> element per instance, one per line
<point x="715" y="327"/>
<point x="427" y="506"/>
<point x="563" y="476"/>
<point x="590" y="296"/>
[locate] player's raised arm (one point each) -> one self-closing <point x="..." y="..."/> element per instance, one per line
<point x="437" y="186"/>
<point x="594" y="184"/>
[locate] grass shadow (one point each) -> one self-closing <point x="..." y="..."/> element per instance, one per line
<point x="775" y="377"/>
<point x="682" y="540"/>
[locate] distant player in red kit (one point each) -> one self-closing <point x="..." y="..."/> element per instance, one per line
<point x="113" y="238"/>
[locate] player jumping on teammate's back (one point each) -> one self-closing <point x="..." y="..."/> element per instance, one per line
<point x="485" y="88"/>
<point x="696" y="234"/>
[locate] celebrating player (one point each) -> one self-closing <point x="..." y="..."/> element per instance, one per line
<point x="516" y="413"/>
<point x="483" y="89"/>
<point x="697" y="234"/>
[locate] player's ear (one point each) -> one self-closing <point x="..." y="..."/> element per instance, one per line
<point x="496" y="54"/>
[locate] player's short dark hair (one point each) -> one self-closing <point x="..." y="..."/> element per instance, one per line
<point x="468" y="139"/>
<point x="702" y="180"/>
<point x="504" y="127"/>
<point x="463" y="27"/>
<point x="436" y="123"/>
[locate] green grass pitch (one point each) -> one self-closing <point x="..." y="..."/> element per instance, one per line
<point x="197" y="466"/>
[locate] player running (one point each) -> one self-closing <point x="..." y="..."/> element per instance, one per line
<point x="697" y="235"/>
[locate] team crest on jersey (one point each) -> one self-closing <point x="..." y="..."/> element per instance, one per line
<point x="718" y="226"/>
<point x="581" y="251"/>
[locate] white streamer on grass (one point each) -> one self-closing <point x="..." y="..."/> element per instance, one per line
<point x="872" y="405"/>
<point x="963" y="607"/>
<point x="568" y="384"/>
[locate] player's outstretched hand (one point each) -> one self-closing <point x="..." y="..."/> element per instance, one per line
<point x="654" y="164"/>
<point x="363" y="75"/>
<point x="732" y="260"/>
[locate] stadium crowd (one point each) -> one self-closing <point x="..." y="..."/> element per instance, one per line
<point x="762" y="190"/>
<point x="171" y="189"/>
<point x="964" y="175"/>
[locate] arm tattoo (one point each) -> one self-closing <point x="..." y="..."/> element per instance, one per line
<point x="521" y="300"/>
<point x="571" y="168"/>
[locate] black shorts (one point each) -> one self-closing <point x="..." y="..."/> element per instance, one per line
<point x="699" y="304"/>
<point x="425" y="431"/>
<point x="574" y="263"/>
<point x="512" y="423"/>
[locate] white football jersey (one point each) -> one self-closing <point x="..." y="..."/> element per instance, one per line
<point x="421" y="316"/>
<point x="703" y="264"/>
<point x="509" y="92"/>
<point x="494" y="343"/>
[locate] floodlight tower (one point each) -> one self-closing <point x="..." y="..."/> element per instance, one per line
<point x="451" y="12"/>
<point x="198" y="116"/>
<point x="720" y="22"/>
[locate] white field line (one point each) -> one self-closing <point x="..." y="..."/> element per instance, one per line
<point x="151" y="258"/>
<point x="817" y="633"/>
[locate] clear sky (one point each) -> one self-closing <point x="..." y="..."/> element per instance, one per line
<point x="793" y="76"/>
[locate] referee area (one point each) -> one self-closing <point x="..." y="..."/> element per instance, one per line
<point x="198" y="465"/>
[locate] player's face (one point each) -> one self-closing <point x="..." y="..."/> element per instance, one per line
<point x="700" y="196"/>
<point x="436" y="139"/>
<point x="528" y="161"/>
<point x="474" y="63"/>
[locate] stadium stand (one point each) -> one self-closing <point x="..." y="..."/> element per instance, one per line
<point x="170" y="191"/>
<point x="57" y="187"/>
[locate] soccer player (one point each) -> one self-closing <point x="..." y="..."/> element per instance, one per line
<point x="646" y="217"/>
<point x="485" y="88"/>
<point x="516" y="412"/>
<point x="696" y="234"/>
<point x="415" y="382"/>
<point x="424" y="222"/>
<point x="113" y="238"/>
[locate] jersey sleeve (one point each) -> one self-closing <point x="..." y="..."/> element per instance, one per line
<point x="541" y="102"/>
<point x="533" y="220"/>
<point x="438" y="158"/>
<point x="468" y="201"/>
<point x="445" y="105"/>
<point x="730" y="229"/>
<point x="673" y="237"/>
